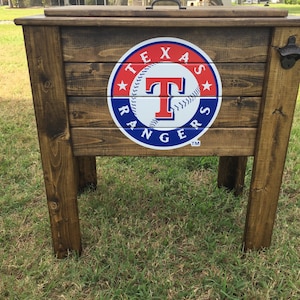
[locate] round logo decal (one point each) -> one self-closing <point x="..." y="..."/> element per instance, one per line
<point x="164" y="93"/>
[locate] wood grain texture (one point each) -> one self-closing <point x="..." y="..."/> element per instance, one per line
<point x="106" y="44"/>
<point x="273" y="135"/>
<point x="59" y="165"/>
<point x="87" y="173"/>
<point x="164" y="11"/>
<point x="254" y="22"/>
<point x="94" y="112"/>
<point x="231" y="173"/>
<point x="215" y="142"/>
<point x="91" y="79"/>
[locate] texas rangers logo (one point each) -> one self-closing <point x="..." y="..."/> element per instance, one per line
<point x="164" y="93"/>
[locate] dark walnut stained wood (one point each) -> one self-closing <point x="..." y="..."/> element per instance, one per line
<point x="106" y="44"/>
<point x="69" y="73"/>
<point x="215" y="142"/>
<point x="165" y="11"/>
<point x="167" y="17"/>
<point x="87" y="173"/>
<point x="234" y="112"/>
<point x="231" y="173"/>
<point x="59" y="164"/>
<point x="163" y="22"/>
<point x="279" y="100"/>
<point x="91" y="79"/>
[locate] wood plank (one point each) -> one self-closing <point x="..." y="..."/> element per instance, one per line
<point x="91" y="79"/>
<point x="94" y="112"/>
<point x="164" y="11"/>
<point x="155" y="23"/>
<point x="105" y="44"/>
<point x="59" y="165"/>
<point x="105" y="141"/>
<point x="273" y="136"/>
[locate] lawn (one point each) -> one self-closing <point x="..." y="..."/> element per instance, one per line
<point x="156" y="228"/>
<point x="294" y="9"/>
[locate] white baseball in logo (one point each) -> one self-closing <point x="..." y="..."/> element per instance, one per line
<point x="145" y="106"/>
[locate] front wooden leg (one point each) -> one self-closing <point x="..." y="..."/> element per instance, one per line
<point x="231" y="173"/>
<point x="51" y="110"/>
<point x="279" y="99"/>
<point x="61" y="181"/>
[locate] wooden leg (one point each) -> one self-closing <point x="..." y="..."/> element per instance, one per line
<point x="87" y="172"/>
<point x="51" y="110"/>
<point x="278" y="106"/>
<point x="61" y="181"/>
<point x="231" y="173"/>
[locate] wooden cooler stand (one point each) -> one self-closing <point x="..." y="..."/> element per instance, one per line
<point x="71" y="52"/>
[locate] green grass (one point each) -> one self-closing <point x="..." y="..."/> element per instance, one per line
<point x="156" y="228"/>
<point x="9" y="14"/>
<point x="293" y="9"/>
